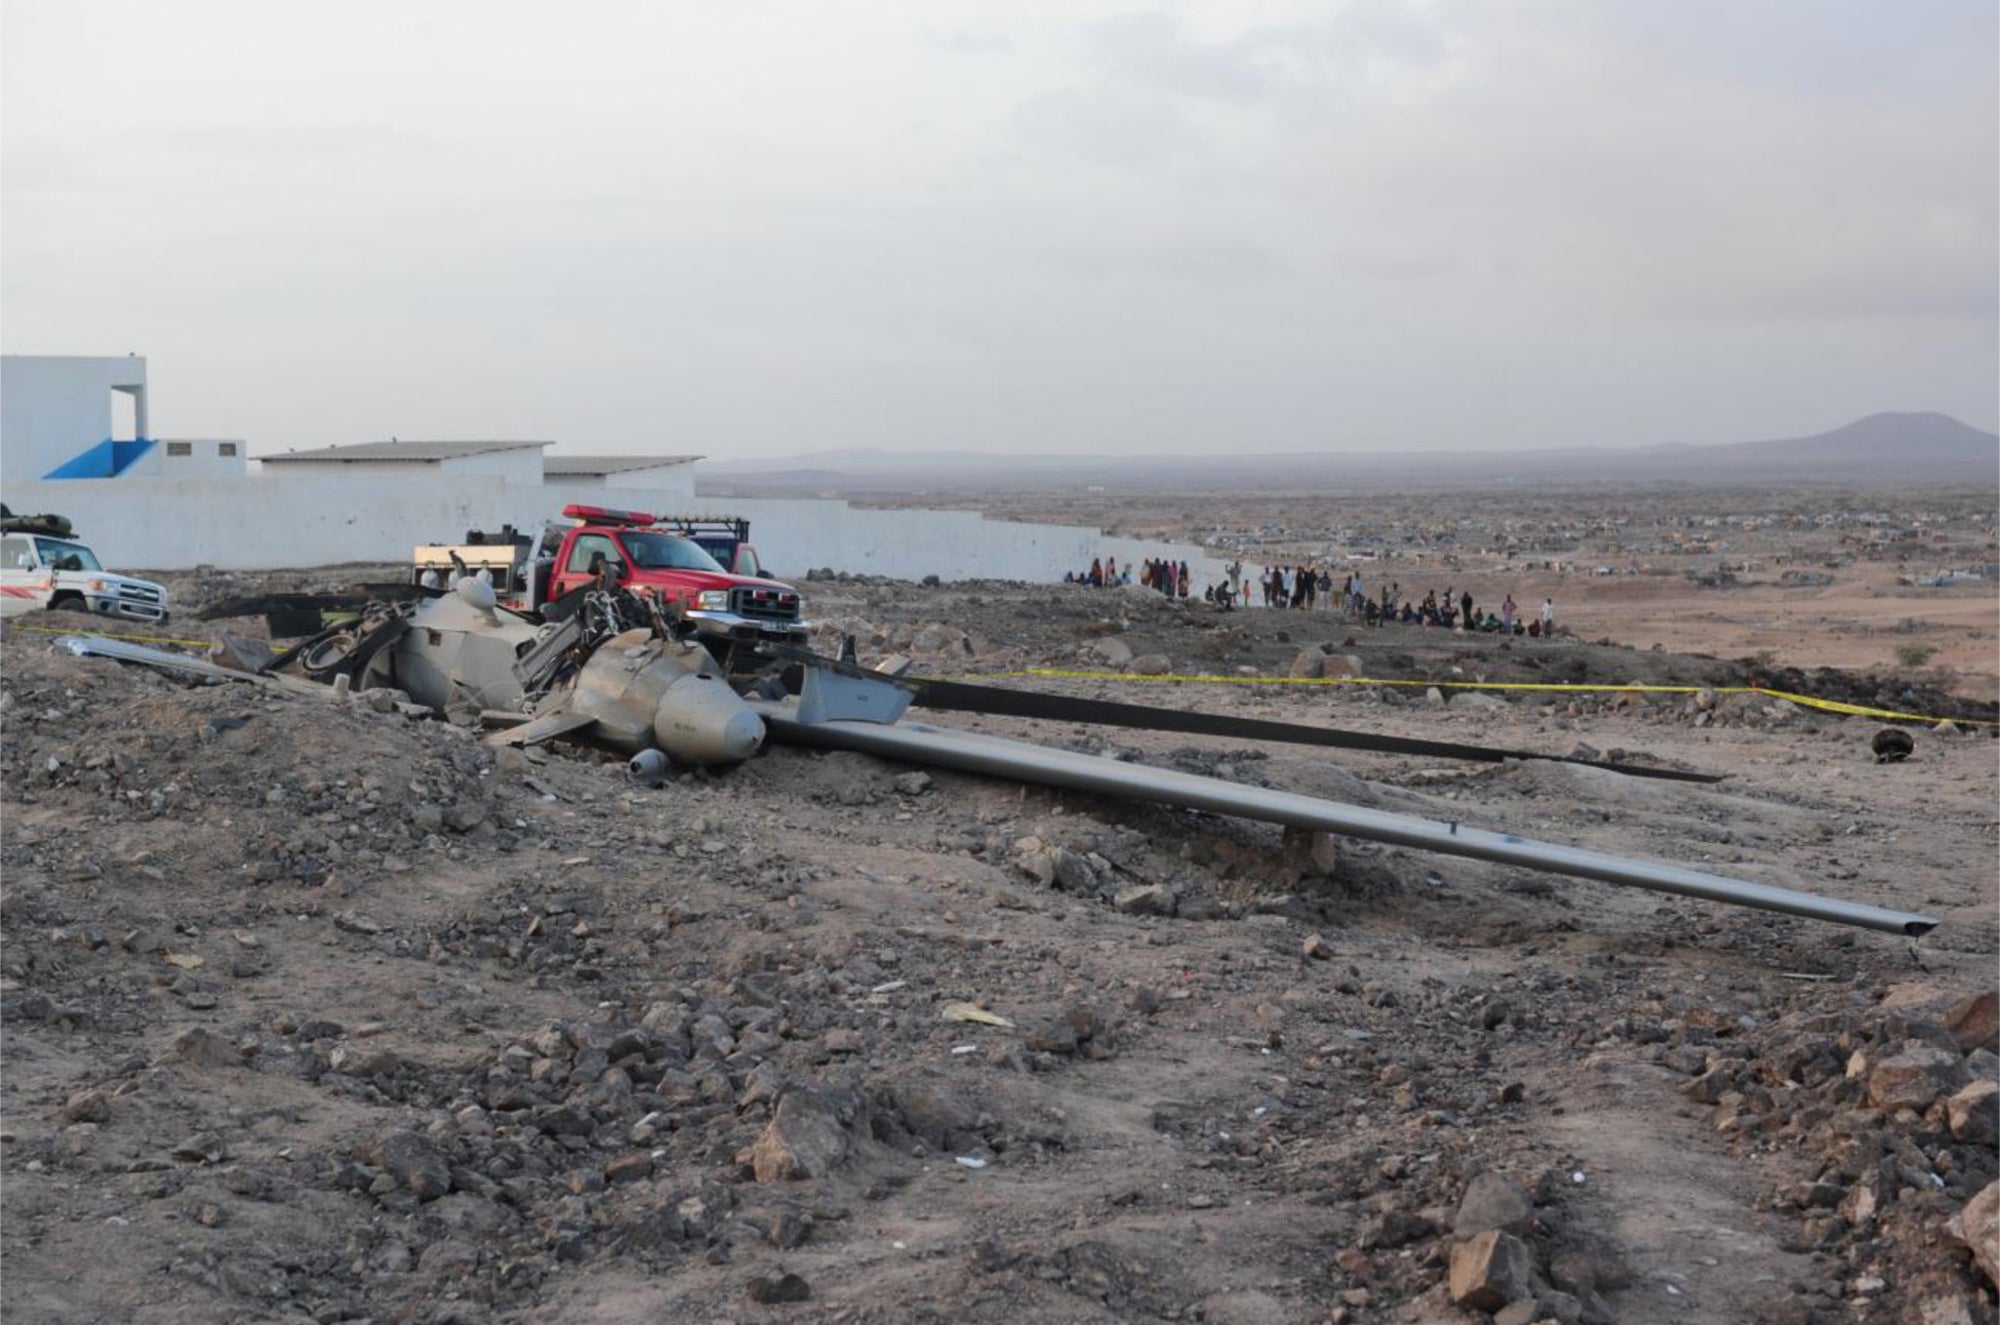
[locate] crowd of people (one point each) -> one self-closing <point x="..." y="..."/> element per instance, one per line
<point x="1306" y="588"/>
<point x="1168" y="577"/>
<point x="1310" y="588"/>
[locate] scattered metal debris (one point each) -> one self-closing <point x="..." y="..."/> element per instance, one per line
<point x="98" y="646"/>
<point x="621" y="670"/>
<point x="1019" y="761"/>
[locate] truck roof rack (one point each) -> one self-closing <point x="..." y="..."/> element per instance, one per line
<point x="732" y="526"/>
<point x="54" y="526"/>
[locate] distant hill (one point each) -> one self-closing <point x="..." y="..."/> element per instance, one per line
<point x="1885" y="445"/>
<point x="1901" y="448"/>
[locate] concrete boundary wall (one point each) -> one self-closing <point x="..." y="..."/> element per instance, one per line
<point x="795" y="535"/>
<point x="263" y="523"/>
<point x="267" y="522"/>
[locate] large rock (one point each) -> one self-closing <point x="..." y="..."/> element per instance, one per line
<point x="805" y="1139"/>
<point x="1477" y="699"/>
<point x="1974" y="1113"/>
<point x="361" y="1061"/>
<point x="1315" y="852"/>
<point x="88" y="1106"/>
<point x="779" y="1287"/>
<point x="1947" y="1306"/>
<point x="1342" y="665"/>
<point x="1076" y="1029"/>
<point x="1493" y="1200"/>
<point x="204" y="1048"/>
<point x="1310" y="664"/>
<point x="1244" y="1306"/>
<point x="1149" y="899"/>
<point x="1978" y="1227"/>
<point x="416" y="1163"/>
<point x="1112" y="650"/>
<point x="1914" y="1077"/>
<point x="1074" y="872"/>
<point x="932" y="1112"/>
<point x="1975" y="1023"/>
<point x="1038" y="865"/>
<point x="1490" y="1271"/>
<point x="1151" y="664"/>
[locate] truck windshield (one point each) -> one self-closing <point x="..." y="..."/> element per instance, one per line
<point x="665" y="552"/>
<point x="64" y="555"/>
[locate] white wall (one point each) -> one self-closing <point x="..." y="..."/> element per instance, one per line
<point x="370" y="469"/>
<point x="670" y="493"/>
<point x="169" y="513"/>
<point x="522" y="464"/>
<point x="264" y="523"/>
<point x="204" y="459"/>
<point x="277" y="519"/>
<point x="675" y="479"/>
<point x="55" y="407"/>
<point x="794" y="535"/>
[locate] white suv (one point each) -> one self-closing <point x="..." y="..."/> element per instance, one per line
<point x="42" y="570"/>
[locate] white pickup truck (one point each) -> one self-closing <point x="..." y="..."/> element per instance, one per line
<point x="42" y="565"/>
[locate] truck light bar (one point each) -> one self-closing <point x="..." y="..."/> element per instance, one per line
<point x="607" y="515"/>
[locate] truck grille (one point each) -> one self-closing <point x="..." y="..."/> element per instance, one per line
<point x="765" y="604"/>
<point x="133" y="593"/>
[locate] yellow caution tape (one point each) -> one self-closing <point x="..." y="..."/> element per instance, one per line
<point x="130" y="639"/>
<point x="1808" y="701"/>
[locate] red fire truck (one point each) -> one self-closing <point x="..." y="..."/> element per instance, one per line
<point x="636" y="550"/>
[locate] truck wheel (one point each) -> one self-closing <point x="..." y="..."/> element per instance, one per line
<point x="67" y="602"/>
<point x="323" y="659"/>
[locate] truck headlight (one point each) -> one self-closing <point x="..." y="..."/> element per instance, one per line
<point x="712" y="600"/>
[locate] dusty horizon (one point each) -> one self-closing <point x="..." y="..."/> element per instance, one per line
<point x="1384" y="223"/>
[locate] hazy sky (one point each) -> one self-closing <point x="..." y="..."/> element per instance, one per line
<point x="763" y="228"/>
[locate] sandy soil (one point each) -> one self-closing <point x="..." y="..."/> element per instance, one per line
<point x="327" y="1014"/>
<point x="1857" y="624"/>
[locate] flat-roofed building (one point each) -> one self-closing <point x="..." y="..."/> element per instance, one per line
<point x="65" y="417"/>
<point x="515" y="461"/>
<point x="579" y="477"/>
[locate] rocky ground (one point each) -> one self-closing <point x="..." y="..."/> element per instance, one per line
<point x="313" y="1012"/>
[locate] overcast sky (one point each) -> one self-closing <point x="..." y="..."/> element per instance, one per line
<point x="768" y="228"/>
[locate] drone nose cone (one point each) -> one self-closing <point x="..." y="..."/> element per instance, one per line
<point x="743" y="735"/>
<point x="702" y="721"/>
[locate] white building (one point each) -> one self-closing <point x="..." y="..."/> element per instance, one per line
<point x="61" y="419"/>
<point x="514" y="462"/>
<point x="610" y="475"/>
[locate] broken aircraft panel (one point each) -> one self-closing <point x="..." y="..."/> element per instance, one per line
<point x="843" y="725"/>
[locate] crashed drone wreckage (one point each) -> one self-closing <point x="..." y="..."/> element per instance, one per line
<point x="620" y="670"/>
